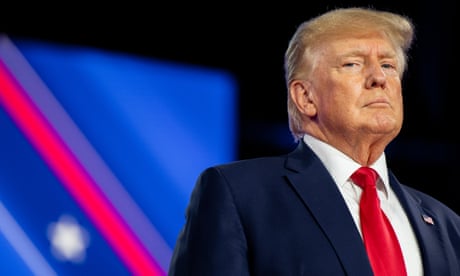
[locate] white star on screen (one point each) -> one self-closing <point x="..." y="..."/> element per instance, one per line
<point x="68" y="239"/>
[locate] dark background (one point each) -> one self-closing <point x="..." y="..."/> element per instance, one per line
<point x="249" y="41"/>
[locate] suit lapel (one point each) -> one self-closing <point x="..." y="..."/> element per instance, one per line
<point x="322" y="198"/>
<point x="426" y="229"/>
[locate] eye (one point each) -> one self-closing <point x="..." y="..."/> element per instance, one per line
<point x="388" y="66"/>
<point x="352" y="67"/>
<point x="350" y="64"/>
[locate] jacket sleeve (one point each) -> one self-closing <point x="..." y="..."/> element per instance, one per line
<point x="212" y="241"/>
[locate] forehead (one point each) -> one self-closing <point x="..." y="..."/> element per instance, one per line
<point x="357" y="45"/>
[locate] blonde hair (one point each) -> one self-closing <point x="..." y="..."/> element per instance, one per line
<point x="334" y="24"/>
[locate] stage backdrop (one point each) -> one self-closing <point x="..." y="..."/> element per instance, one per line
<point x="99" y="152"/>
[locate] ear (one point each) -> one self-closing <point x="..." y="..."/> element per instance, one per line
<point x="300" y="93"/>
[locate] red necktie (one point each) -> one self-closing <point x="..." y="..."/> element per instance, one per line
<point x="380" y="241"/>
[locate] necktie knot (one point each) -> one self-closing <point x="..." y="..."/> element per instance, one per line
<point x="365" y="177"/>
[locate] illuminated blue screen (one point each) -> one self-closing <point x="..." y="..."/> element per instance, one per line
<point x="143" y="129"/>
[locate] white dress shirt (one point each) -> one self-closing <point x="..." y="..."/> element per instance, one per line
<point x="341" y="167"/>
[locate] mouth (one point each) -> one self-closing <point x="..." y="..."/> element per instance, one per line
<point x="378" y="103"/>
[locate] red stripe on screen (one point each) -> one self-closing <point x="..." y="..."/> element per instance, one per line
<point x="74" y="177"/>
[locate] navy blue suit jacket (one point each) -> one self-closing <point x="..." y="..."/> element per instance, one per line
<point x="285" y="216"/>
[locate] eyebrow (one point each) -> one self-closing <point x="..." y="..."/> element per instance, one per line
<point x="361" y="52"/>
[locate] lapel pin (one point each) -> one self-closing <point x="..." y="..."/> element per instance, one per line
<point x="428" y="219"/>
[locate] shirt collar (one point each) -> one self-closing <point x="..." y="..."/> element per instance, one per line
<point x="340" y="166"/>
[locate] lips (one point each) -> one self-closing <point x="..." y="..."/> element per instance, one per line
<point x="378" y="102"/>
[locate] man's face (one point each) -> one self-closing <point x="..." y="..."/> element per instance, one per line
<point x="355" y="87"/>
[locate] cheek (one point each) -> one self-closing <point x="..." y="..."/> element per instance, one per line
<point x="341" y="95"/>
<point x="336" y="94"/>
<point x="397" y="100"/>
<point x="335" y="103"/>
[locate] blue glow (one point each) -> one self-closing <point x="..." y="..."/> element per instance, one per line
<point x="156" y="125"/>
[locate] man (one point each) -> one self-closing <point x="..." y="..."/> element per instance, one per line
<point x="299" y="214"/>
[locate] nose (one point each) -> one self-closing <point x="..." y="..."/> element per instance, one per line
<point x="376" y="77"/>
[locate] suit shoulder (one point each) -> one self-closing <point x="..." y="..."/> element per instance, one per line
<point x="247" y="168"/>
<point x="253" y="163"/>
<point x="431" y="203"/>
